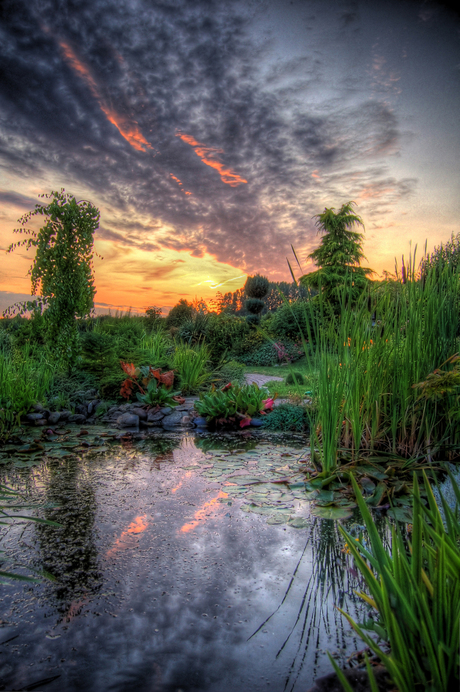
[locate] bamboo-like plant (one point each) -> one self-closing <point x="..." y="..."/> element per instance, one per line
<point x="415" y="589"/>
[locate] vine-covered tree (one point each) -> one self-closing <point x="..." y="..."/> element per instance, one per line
<point x="339" y="256"/>
<point x="62" y="270"/>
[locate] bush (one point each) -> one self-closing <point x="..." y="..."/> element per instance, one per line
<point x="98" y="351"/>
<point x="268" y="354"/>
<point x="295" y="378"/>
<point x="287" y="417"/>
<point x="226" y="333"/>
<point x="290" y="321"/>
<point x="232" y="371"/>
<point x="180" y="313"/>
<point x="110" y="385"/>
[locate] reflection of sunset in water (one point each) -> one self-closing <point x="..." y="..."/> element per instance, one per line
<point x="202" y="514"/>
<point x="137" y="526"/>
<point x="187" y="475"/>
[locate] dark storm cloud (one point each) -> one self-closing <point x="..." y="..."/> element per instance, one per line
<point x="16" y="200"/>
<point x="161" y="109"/>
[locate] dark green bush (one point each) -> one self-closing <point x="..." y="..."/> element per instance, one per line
<point x="98" y="352"/>
<point x="295" y="378"/>
<point x="267" y="354"/>
<point x="226" y="333"/>
<point x="180" y="313"/>
<point x="256" y="286"/>
<point x="67" y="391"/>
<point x="110" y="385"/>
<point x="232" y="371"/>
<point x="195" y="329"/>
<point x="290" y="321"/>
<point x="287" y="417"/>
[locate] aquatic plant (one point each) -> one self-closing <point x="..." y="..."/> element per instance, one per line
<point x="370" y="357"/>
<point x="414" y="588"/>
<point x="148" y="381"/>
<point x="234" y="403"/>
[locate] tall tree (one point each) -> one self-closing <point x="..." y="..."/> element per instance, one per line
<point x="61" y="272"/>
<point x="339" y="255"/>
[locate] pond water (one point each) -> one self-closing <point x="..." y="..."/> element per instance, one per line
<point x="184" y="563"/>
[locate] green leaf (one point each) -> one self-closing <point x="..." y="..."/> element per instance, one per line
<point x="332" y="512"/>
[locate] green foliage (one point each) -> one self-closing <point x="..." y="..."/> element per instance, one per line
<point x="291" y="319"/>
<point x="194" y="330"/>
<point x="287" y="417"/>
<point x="192" y="367"/>
<point x="416" y="594"/>
<point x="154" y="349"/>
<point x="231" y="371"/>
<point x="256" y="286"/>
<point x="98" y="351"/>
<point x="66" y="391"/>
<point x="180" y="313"/>
<point x="226" y="333"/>
<point x="62" y="268"/>
<point x="156" y="395"/>
<point x="25" y="378"/>
<point x="110" y="385"/>
<point x="295" y="377"/>
<point x="338" y="256"/>
<point x="153" y="316"/>
<point x="268" y="353"/>
<point x="234" y="403"/>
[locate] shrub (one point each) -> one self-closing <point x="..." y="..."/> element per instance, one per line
<point x="268" y="354"/>
<point x="180" y="313"/>
<point x="226" y="333"/>
<point x="287" y="417"/>
<point x="232" y="371"/>
<point x="110" y="385"/>
<point x="98" y="351"/>
<point x="194" y="330"/>
<point x="191" y="366"/>
<point x="290" y="321"/>
<point x="295" y="377"/>
<point x="256" y="288"/>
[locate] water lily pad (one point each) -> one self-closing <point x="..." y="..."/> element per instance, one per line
<point x="371" y="471"/>
<point x="331" y="512"/>
<point x="279" y="519"/>
<point x="299" y="522"/>
<point x="400" y="514"/>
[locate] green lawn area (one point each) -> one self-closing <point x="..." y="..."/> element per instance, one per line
<point x="286" y="391"/>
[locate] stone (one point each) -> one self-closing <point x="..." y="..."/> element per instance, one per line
<point x="90" y="393"/>
<point x="128" y="420"/>
<point x="65" y="415"/>
<point x="38" y="407"/>
<point x="141" y="412"/>
<point x="77" y="418"/>
<point x="256" y="422"/>
<point x="81" y="409"/>
<point x="32" y="417"/>
<point x="173" y="419"/>
<point x="54" y="417"/>
<point x="112" y="409"/>
<point x="92" y="406"/>
<point x="200" y="421"/>
<point x="165" y="410"/>
<point x="41" y="421"/>
<point x="154" y="417"/>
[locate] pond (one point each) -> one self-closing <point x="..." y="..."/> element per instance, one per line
<point x="187" y="562"/>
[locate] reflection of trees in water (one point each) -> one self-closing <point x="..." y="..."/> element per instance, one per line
<point x="69" y="551"/>
<point x="318" y="624"/>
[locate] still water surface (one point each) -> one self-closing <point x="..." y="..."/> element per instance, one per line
<point x="178" y="568"/>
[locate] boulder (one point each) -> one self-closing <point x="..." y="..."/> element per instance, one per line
<point x="165" y="410"/>
<point x="54" y="417"/>
<point x="256" y="422"/>
<point x="141" y="412"/>
<point x="92" y="406"/>
<point x="173" y="419"/>
<point x="128" y="420"/>
<point x="200" y="421"/>
<point x="65" y="415"/>
<point x="33" y="417"/>
<point x="77" y="418"/>
<point x="81" y="409"/>
<point x="155" y="416"/>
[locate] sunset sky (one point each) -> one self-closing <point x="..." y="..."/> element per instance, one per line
<point x="210" y="132"/>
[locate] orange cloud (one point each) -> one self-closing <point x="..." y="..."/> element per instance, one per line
<point x="179" y="183"/>
<point x="137" y="526"/>
<point x="205" y="153"/>
<point x="202" y="513"/>
<point x="128" y="129"/>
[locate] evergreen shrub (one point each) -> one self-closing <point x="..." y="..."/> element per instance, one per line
<point x="287" y="417"/>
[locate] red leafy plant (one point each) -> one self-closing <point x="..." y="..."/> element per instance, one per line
<point x="154" y="386"/>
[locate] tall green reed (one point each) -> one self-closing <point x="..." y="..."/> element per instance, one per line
<point x="370" y="356"/>
<point x="192" y="366"/>
<point x="414" y="588"/>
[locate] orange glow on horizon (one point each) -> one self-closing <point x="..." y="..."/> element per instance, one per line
<point x="204" y="153"/>
<point x="137" y="526"/>
<point x="201" y="514"/>
<point x="126" y="128"/>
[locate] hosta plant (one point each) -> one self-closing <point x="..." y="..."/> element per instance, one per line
<point x="234" y="403"/>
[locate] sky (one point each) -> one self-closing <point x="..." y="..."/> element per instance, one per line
<point x="210" y="133"/>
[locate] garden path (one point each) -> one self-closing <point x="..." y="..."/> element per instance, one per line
<point x="261" y="379"/>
